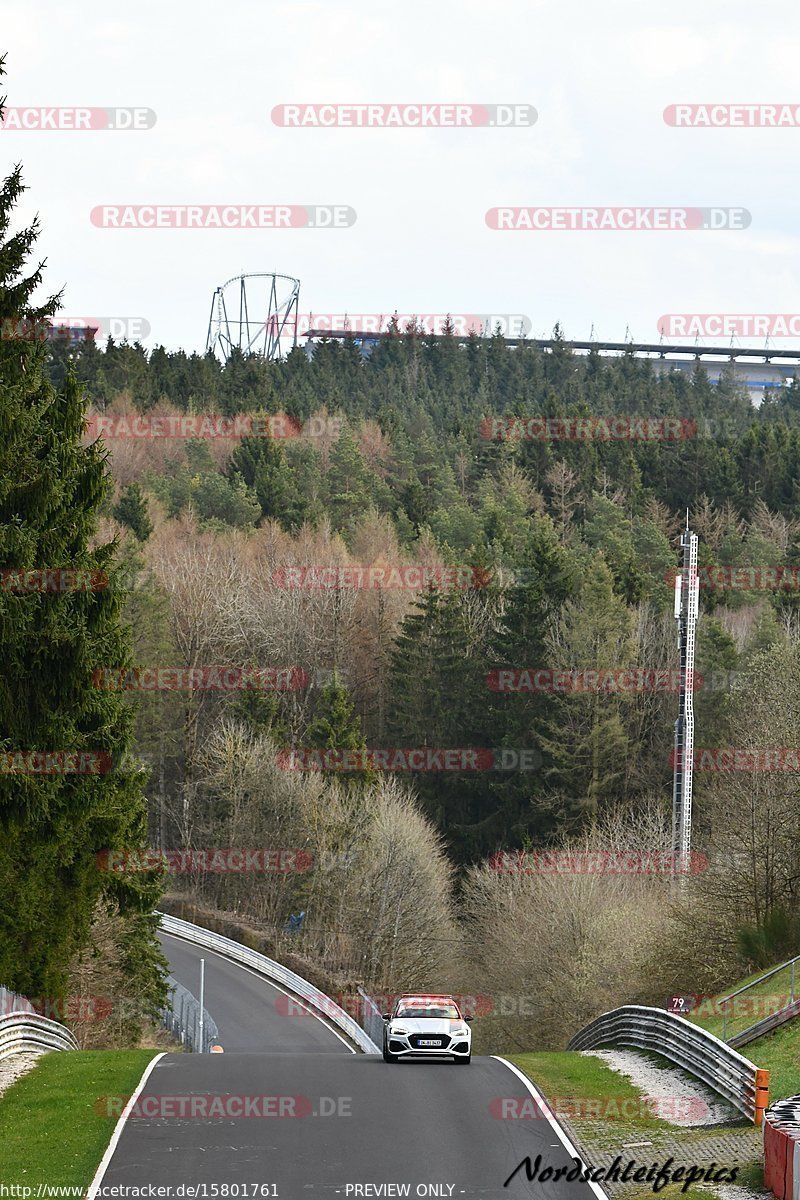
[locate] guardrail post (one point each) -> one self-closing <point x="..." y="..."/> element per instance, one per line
<point x="762" y="1095"/>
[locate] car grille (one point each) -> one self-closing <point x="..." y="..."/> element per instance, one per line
<point x="441" y="1041"/>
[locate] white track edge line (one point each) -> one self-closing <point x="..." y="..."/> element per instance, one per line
<point x="264" y="979"/>
<point x="544" y="1107"/>
<point x="94" y="1186"/>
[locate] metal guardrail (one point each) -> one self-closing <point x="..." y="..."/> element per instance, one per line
<point x="689" y="1046"/>
<point x="273" y="971"/>
<point x="753" y="1031"/>
<point x="766" y="1025"/>
<point x="181" y="1016"/>
<point x="26" y="1032"/>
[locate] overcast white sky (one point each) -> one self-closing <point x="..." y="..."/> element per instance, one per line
<point x="599" y="75"/>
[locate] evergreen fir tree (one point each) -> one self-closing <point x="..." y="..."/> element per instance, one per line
<point x="336" y="726"/>
<point x="586" y="735"/>
<point x="132" y="510"/>
<point x="261" y="463"/>
<point x="54" y="822"/>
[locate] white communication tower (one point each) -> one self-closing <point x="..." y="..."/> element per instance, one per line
<point x="687" y="589"/>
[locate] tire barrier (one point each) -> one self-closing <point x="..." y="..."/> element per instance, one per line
<point x="782" y="1148"/>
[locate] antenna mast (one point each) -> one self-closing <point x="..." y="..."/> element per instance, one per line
<point x="687" y="586"/>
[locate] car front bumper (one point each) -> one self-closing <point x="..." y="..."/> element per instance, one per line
<point x="407" y="1045"/>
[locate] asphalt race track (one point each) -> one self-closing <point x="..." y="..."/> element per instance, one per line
<point x="251" y="1014"/>
<point x="299" y="1112"/>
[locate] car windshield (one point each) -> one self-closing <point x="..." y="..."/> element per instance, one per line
<point x="447" y="1012"/>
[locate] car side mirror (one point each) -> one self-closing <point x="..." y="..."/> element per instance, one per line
<point x="386" y="1016"/>
<point x="467" y="1018"/>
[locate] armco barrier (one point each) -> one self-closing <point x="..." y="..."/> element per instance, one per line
<point x="273" y="971"/>
<point x="694" y="1049"/>
<point x="782" y="1148"/>
<point x="27" y="1032"/>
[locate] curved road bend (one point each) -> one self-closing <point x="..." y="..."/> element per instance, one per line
<point x="249" y="1011"/>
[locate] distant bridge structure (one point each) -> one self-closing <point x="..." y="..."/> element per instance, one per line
<point x="758" y="369"/>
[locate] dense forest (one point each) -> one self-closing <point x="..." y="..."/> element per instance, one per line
<point x="572" y="544"/>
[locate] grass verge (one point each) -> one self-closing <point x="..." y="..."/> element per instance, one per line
<point x="51" y="1128"/>
<point x="779" y="1053"/>
<point x="582" y="1086"/>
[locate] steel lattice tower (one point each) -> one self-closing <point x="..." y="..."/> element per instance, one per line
<point x="686" y="612"/>
<point x="274" y="302"/>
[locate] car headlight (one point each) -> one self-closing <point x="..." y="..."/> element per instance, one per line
<point x="461" y="1032"/>
<point x="397" y="1029"/>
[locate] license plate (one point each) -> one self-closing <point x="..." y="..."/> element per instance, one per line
<point x="430" y="1041"/>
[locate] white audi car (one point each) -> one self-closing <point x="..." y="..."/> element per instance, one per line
<point x="425" y="1027"/>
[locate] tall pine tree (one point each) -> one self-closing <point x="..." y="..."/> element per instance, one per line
<point x="55" y="821"/>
